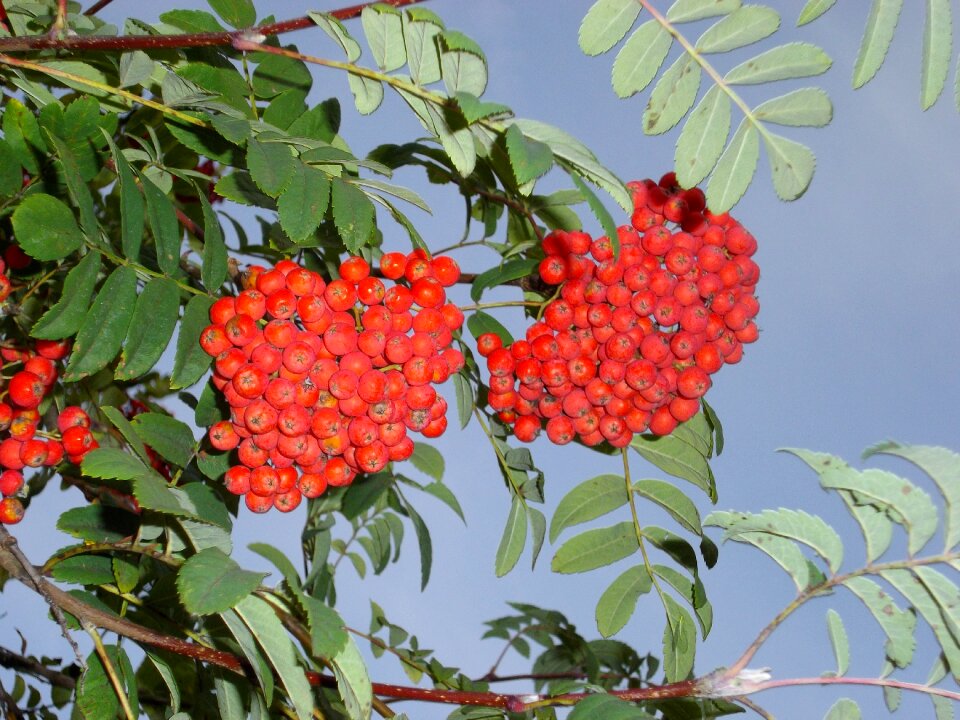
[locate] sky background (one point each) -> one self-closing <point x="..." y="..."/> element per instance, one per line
<point x="858" y="315"/>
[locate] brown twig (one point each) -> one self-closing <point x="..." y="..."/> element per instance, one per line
<point x="9" y="705"/>
<point x="97" y="7"/>
<point x="13" y="661"/>
<point x="181" y="40"/>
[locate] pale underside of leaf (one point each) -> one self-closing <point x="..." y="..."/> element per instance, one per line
<point x="806" y="107"/>
<point x="937" y="48"/>
<point x="839" y="641"/>
<point x="897" y="624"/>
<point x="795" y="525"/>
<point x="703" y="138"/>
<point x="691" y="10"/>
<point x="784" y="62"/>
<point x="791" y="164"/>
<point x="881" y="24"/>
<point x="639" y="60"/>
<point x="744" y="26"/>
<point x="605" y="24"/>
<point x="673" y="95"/>
<point x="735" y="169"/>
<point x="814" y="9"/>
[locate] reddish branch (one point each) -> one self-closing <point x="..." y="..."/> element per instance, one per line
<point x="182" y="40"/>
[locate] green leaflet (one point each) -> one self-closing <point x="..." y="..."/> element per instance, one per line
<point x="672" y="96"/>
<point x="791" y="164"/>
<point x="131" y="204"/>
<point x="211" y="582"/>
<point x="671" y="499"/>
<point x="11" y="174"/>
<point x="84" y="570"/>
<point x="480" y="322"/>
<point x="383" y="29"/>
<point x="427" y="459"/>
<point x="96" y="696"/>
<point x="155" y="316"/>
<point x="77" y="188"/>
<point x="814" y="9"/>
<point x="423" y="55"/>
<point x="839" y="641"/>
<point x="105" y="325"/>
<point x="164" y="226"/>
<point x="898" y="625"/>
<point x="605" y="24"/>
<point x="271" y="165"/>
<point x="501" y="274"/>
<point x="595" y="548"/>
<point x="735" y="169"/>
<point x="806" y="107"/>
<point x="587" y="501"/>
<point x="703" y="138"/>
<point x="97" y="523"/>
<point x="795" y="525"/>
<point x="680" y="454"/>
<point x="744" y="26"/>
<point x="250" y="650"/>
<point x="172" y="439"/>
<point x="529" y="159"/>
<point x="679" y="642"/>
<point x="111" y="463"/>
<point x="639" y="60"/>
<point x="236" y="13"/>
<point x="513" y="540"/>
<point x="937" y="49"/>
<point x="337" y="32"/>
<point x="936" y="599"/>
<point x="303" y="205"/>
<point x="353" y="682"/>
<point x="462" y="64"/>
<point x="884" y="15"/>
<point x="690" y="10"/>
<point x="277" y="75"/>
<point x="190" y="361"/>
<point x="694" y="593"/>
<point x="601" y="706"/>
<point x="64" y="319"/>
<point x="843" y="709"/>
<point x="46" y="228"/>
<point x="367" y="93"/>
<point x="619" y="600"/>
<point x="214" y="269"/>
<point x="353" y="214"/>
<point x="784" y="62"/>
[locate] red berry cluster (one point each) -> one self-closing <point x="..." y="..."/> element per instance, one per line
<point x="326" y="379"/>
<point x="630" y="343"/>
<point x="25" y="444"/>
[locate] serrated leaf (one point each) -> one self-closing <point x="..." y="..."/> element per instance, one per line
<point x="424" y="543"/>
<point x="898" y="625"/>
<point x="211" y="582"/>
<point x="806" y="107"/>
<point x="153" y="493"/>
<point x="814" y="9"/>
<point x="839" y="642"/>
<point x="96" y="696"/>
<point x="65" y="317"/>
<point x="744" y="26"/>
<point x="427" y="459"/>
<point x="796" y="525"/>
<point x="131" y="204"/>
<point x="367" y="93"/>
<point x="843" y="709"/>
<point x="353" y="214"/>
<point x="596" y="548"/>
<point x="678" y="456"/>
<point x="513" y="540"/>
<point x="784" y="62"/>
<point x="97" y="523"/>
<point x="105" y="325"/>
<point x="465" y="401"/>
<point x="11" y="174"/>
<point x="619" y="600"/>
<point x="599" y="706"/>
<point x="384" y="32"/>
<point x="251" y="652"/>
<point x="271" y="165"/>
<point x="921" y="596"/>
<point x="172" y="439"/>
<point x="605" y="24"/>
<point x="163" y="225"/>
<point x="353" y="682"/>
<point x="671" y="499"/>
<point x="213" y="271"/>
<point x="303" y="205"/>
<point x="445" y="495"/>
<point x="46" y="228"/>
<point x="703" y="138"/>
<point x="110" y="463"/>
<point x="538" y="530"/>
<point x="84" y="570"/>
<point x="735" y="169"/>
<point x="278" y="75"/>
<point x="907" y="504"/>
<point x="690" y="10"/>
<point x="639" y="60"/>
<point x="338" y="32"/>
<point x="529" y="159"/>
<point x="474" y="109"/>
<point x="272" y="637"/>
<point x="77" y="188"/>
<point x="791" y="164"/>
<point x="881" y="24"/>
<point x="462" y="64"/>
<point x="236" y="13"/>
<point x="679" y="641"/>
<point x="782" y="551"/>
<point x="937" y="49"/>
<point x="672" y="96"/>
<point x="191" y="361"/>
<point x="423" y="55"/>
<point x="587" y="501"/>
<point x="155" y="316"/>
<point x="943" y="467"/>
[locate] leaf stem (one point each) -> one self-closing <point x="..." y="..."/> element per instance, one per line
<point x="504" y="303"/>
<point x="872" y="682"/>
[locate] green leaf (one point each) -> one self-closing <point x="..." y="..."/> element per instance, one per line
<point x="428" y="460"/>
<point x="639" y="60"/>
<point x="936" y="599"/>
<point x="703" y="138"/>
<point x="236" y="13"/>
<point x="693" y="593"/>
<point x="303" y="205"/>
<point x="424" y="542"/>
<point x="513" y="540"/>
<point x="110" y="463"/>
<point x="119" y="420"/>
<point x="76" y="188"/>
<point x="937" y="49"/>
<point x="619" y="601"/>
<point x="791" y="164"/>
<point x="214" y="269"/>
<point x="881" y="24"/>
<point x="690" y="10"/>
<point x="784" y="62"/>
<point x="744" y="26"/>
<point x="172" y="439"/>
<point x="104" y="326"/>
<point x="678" y="505"/>
<point x="814" y="9"/>
<point x="97" y="523"/>
<point x="239" y="187"/>
<point x="465" y="401"/>
<point x="153" y="493"/>
<point x="529" y="159"/>
<point x="599" y="211"/>
<point x="943" y="467"/>
<point x="605" y="24"/>
<point x="384" y="32"/>
<point x="735" y="169"/>
<point x="353" y="682"/>
<point x="64" y="318"/>
<point x="263" y="623"/>
<point x="596" y="548"/>
<point x="843" y="709"/>
<point x="85" y="570"/>
<point x="131" y="204"/>
<point x="338" y="32"/>
<point x="164" y="226"/>
<point x="251" y="652"/>
<point x="169" y="679"/>
<point x="587" y="501"/>
<point x="538" y="530"/>
<point x="600" y="706"/>
<point x="367" y="93"/>
<point x="462" y="64"/>
<point x="230" y="702"/>
<point x="672" y="96"/>
<point x="423" y="55"/>
<point x="839" y="642"/>
<point x="155" y="316"/>
<point x="795" y="525"/>
<point x="11" y="174"/>
<point x="908" y="504"/>
<point x="276" y="75"/>
<point x="898" y="625"/>
<point x="211" y="582"/>
<point x="45" y="227"/>
<point x="679" y="642"/>
<point x="806" y="107"/>
<point x="327" y="636"/>
<point x="352" y="214"/>
<point x="480" y="322"/>
<point x="190" y="361"/>
<point x="271" y="165"/>
<point x="192" y="21"/>
<point x="96" y="697"/>
<point x="502" y="274"/>
<point x="679" y="456"/>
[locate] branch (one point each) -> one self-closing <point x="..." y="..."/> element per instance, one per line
<point x="13" y="661"/>
<point x="873" y="682"/>
<point x="126" y="43"/>
<point x="9" y="705"/>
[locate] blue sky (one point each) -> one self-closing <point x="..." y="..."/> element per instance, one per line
<point x="858" y="315"/>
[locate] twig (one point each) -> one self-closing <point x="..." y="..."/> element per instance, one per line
<point x="8" y="543"/>
<point x="96" y="7"/>
<point x="13" y="661"/>
<point x="9" y="705"/>
<point x="872" y="682"/>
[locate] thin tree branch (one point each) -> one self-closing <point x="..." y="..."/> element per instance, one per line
<point x="9" y="705"/>
<point x="102" y="43"/>
<point x="872" y="682"/>
<point x="13" y="661"/>
<point x="96" y="7"/>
